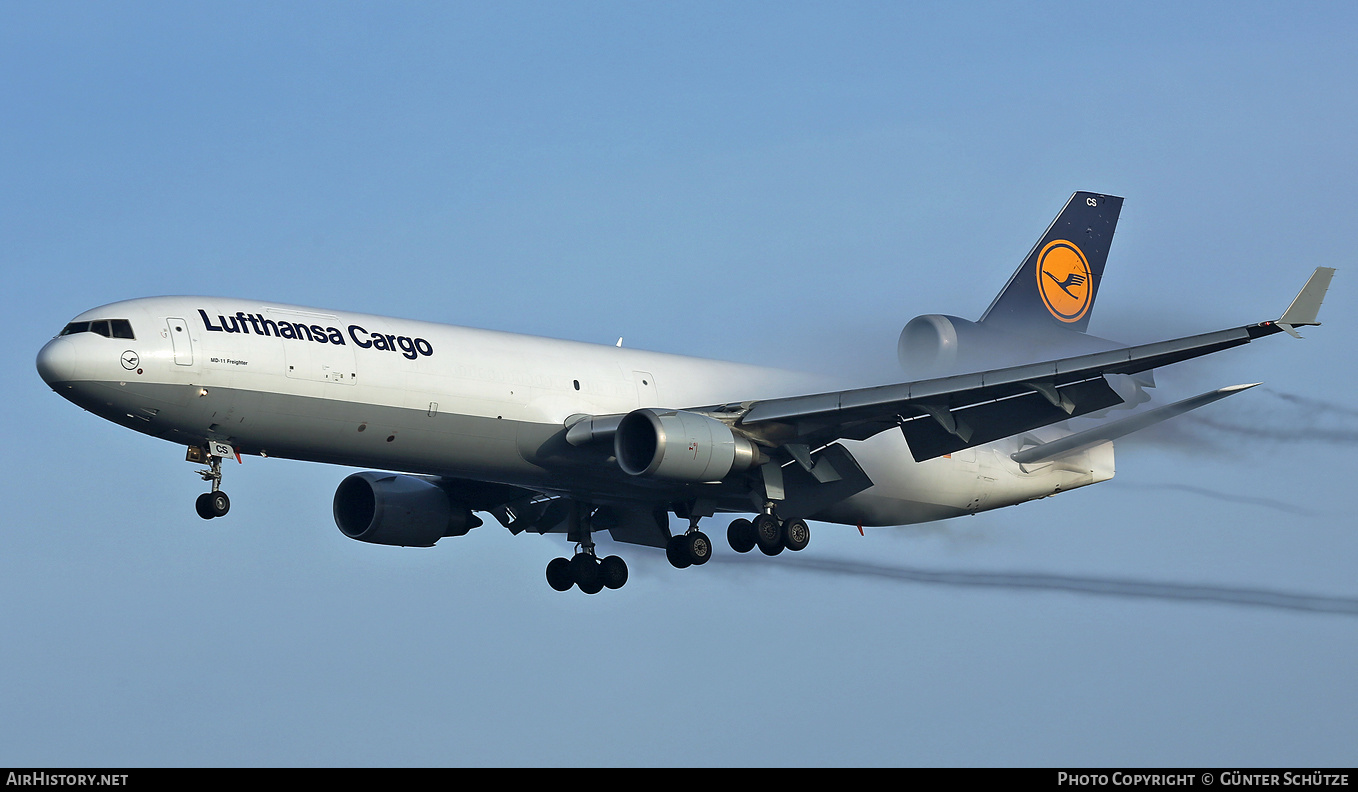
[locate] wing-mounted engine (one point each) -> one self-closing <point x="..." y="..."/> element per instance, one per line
<point x="681" y="446"/>
<point x="393" y="509"/>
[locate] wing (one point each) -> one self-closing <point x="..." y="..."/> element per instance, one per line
<point x="940" y="416"/>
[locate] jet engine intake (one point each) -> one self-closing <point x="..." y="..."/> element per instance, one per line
<point x="393" y="509"/>
<point x="681" y="446"/>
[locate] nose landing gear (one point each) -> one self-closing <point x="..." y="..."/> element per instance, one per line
<point x="215" y="503"/>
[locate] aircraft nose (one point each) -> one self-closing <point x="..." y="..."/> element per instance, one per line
<point x="56" y="361"/>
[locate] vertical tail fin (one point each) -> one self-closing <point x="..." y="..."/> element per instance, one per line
<point x="1056" y="284"/>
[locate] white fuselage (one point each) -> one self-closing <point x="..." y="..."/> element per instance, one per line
<point x="396" y="394"/>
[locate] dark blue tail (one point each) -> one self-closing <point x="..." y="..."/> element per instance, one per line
<point x="1056" y="285"/>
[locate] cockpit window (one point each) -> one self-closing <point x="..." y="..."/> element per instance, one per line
<point x="108" y="328"/>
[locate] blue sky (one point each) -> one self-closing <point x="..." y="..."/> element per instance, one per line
<point x="782" y="183"/>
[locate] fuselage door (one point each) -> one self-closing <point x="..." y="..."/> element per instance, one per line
<point x="178" y="330"/>
<point x="309" y="348"/>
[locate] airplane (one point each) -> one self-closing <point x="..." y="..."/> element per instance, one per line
<point x="554" y="436"/>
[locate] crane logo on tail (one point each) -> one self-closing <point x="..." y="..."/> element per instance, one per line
<point x="1063" y="280"/>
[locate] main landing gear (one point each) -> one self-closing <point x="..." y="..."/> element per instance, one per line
<point x="691" y="548"/>
<point x="769" y="534"/>
<point x="215" y="503"/>
<point x="585" y="569"/>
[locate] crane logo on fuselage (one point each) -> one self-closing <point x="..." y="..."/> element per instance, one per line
<point x="241" y="322"/>
<point x="1063" y="280"/>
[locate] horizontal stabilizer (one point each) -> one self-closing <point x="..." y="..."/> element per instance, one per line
<point x="1112" y="431"/>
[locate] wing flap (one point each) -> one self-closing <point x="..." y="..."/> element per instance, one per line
<point x="834" y="476"/>
<point x="929" y="438"/>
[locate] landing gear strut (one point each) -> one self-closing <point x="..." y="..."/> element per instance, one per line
<point x="215" y="503"/>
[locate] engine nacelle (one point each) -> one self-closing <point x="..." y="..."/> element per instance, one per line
<point x="392" y="509"/>
<point x="681" y="446"/>
<point x="935" y="345"/>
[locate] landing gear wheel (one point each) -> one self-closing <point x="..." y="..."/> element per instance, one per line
<point x="740" y="535"/>
<point x="202" y="506"/>
<point x="218" y="503"/>
<point x="768" y="534"/>
<point x="559" y="574"/>
<point x="585" y="570"/>
<point x="796" y="534"/>
<point x="677" y="553"/>
<point x="613" y="572"/>
<point x="698" y="547"/>
<point x="212" y="504"/>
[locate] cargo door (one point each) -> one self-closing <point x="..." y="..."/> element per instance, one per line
<point x="308" y="349"/>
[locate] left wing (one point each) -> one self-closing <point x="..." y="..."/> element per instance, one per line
<point x="940" y="416"/>
<point x="1121" y="428"/>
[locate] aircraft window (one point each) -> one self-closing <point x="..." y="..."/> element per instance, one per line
<point x="108" y="328"/>
<point x="122" y="329"/>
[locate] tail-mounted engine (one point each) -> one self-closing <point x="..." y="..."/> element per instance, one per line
<point x="936" y="345"/>
<point x="681" y="446"/>
<point x="392" y="509"/>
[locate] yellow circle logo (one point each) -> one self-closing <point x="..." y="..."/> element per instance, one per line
<point x="1063" y="280"/>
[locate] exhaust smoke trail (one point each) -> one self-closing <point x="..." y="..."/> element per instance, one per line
<point x="1313" y="404"/>
<point x="1267" y="503"/>
<point x="1290" y="419"/>
<point x="1282" y="434"/>
<point x="1280" y="418"/>
<point x="1033" y="581"/>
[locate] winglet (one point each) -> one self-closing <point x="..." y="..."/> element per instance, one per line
<point x="1306" y="306"/>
